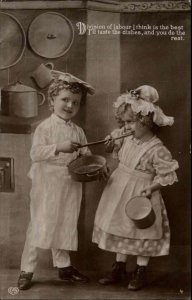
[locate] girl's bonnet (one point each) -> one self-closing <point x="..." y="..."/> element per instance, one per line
<point x="143" y="100"/>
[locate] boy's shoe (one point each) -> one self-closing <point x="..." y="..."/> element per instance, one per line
<point x="138" y="280"/>
<point x="24" y="282"/>
<point x="72" y="274"/>
<point x="117" y="275"/>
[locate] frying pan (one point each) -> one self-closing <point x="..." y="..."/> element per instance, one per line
<point x="87" y="168"/>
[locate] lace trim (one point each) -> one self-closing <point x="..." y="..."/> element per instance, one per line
<point x="169" y="179"/>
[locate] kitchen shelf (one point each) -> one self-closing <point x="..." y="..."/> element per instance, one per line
<point x="21" y="125"/>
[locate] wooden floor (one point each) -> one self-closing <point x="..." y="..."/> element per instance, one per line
<point x="46" y="285"/>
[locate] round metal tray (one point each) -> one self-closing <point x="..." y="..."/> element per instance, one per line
<point x="12" y="41"/>
<point x="50" y="35"/>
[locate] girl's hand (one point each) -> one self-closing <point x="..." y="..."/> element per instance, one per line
<point x="147" y="192"/>
<point x="109" y="144"/>
<point x="67" y="147"/>
<point x="108" y="139"/>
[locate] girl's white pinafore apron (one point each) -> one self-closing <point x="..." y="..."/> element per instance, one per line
<point x="125" y="183"/>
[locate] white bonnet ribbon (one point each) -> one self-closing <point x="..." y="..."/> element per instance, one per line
<point x="161" y="119"/>
<point x="145" y="107"/>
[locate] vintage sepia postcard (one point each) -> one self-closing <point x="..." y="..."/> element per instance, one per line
<point x="95" y="149"/>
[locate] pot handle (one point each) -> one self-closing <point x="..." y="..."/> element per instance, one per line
<point x="50" y="64"/>
<point x="43" y="98"/>
<point x="95" y="174"/>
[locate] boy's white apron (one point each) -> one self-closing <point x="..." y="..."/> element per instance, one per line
<point x="55" y="206"/>
<point x="125" y="183"/>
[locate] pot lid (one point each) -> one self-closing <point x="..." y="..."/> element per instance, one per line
<point x="50" y="35"/>
<point x="12" y="40"/>
<point x="18" y="88"/>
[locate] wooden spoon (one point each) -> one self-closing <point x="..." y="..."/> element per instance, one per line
<point x="104" y="141"/>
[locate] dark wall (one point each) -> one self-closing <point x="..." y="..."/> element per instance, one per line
<point x="165" y="64"/>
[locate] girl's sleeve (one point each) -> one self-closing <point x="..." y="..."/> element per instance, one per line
<point x="165" y="167"/>
<point x="40" y="149"/>
<point x="83" y="141"/>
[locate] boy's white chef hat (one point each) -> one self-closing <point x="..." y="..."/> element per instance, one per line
<point x="72" y="79"/>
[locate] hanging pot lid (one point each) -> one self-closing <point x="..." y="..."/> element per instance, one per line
<point x="50" y="35"/>
<point x="18" y="87"/>
<point x="12" y="40"/>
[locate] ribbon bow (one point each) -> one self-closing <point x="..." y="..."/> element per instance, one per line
<point x="135" y="94"/>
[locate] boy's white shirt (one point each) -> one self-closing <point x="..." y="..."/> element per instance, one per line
<point x="52" y="131"/>
<point x="55" y="197"/>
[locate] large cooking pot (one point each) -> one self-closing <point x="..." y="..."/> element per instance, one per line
<point x="87" y="168"/>
<point x="139" y="209"/>
<point x="19" y="100"/>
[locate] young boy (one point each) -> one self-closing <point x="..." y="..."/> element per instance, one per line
<point x="55" y="197"/>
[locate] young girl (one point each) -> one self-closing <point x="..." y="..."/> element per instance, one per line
<point x="145" y="166"/>
<point x="125" y="118"/>
<point x="55" y="197"/>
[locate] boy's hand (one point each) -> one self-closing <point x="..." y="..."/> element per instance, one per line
<point x="147" y="192"/>
<point x="104" y="174"/>
<point x="67" y="147"/>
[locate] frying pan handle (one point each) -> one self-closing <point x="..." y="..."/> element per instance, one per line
<point x="91" y="175"/>
<point x="43" y="98"/>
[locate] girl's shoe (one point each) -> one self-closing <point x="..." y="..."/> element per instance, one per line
<point x="138" y="280"/>
<point x="24" y="282"/>
<point x="117" y="275"/>
<point x="72" y="274"/>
